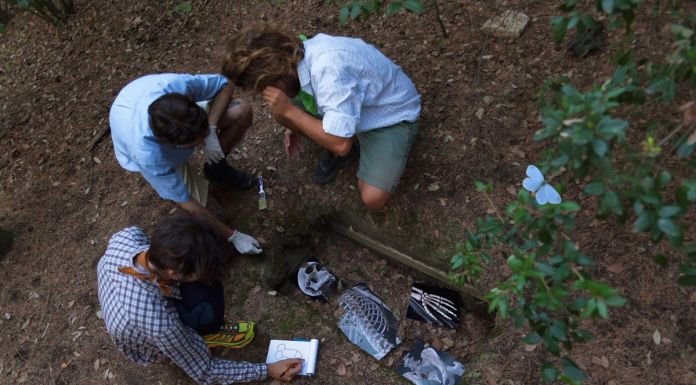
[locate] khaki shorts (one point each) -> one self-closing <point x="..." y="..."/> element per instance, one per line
<point x="196" y="185"/>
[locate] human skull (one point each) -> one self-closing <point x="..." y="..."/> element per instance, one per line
<point x="314" y="279"/>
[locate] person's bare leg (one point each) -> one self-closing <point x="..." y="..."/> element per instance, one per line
<point x="233" y="124"/>
<point x="372" y="197"/>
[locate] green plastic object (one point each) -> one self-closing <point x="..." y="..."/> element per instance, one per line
<point x="307" y="100"/>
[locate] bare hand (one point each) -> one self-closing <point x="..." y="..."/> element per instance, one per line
<point x="277" y="101"/>
<point x="292" y="144"/>
<point x="285" y="370"/>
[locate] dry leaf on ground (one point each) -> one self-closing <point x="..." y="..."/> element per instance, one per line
<point x="656" y="337"/>
<point x="616" y="268"/>
<point x="689" y="111"/>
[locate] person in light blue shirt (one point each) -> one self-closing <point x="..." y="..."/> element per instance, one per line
<point x="348" y="98"/>
<point x="156" y="123"/>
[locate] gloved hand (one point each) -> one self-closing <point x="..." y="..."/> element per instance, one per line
<point x="245" y="244"/>
<point x="212" y="150"/>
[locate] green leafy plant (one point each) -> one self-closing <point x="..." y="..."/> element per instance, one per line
<point x="616" y="10"/>
<point x="548" y="289"/>
<point x="363" y="9"/>
<point x="648" y="181"/>
<point x="55" y="12"/>
<point x="630" y="166"/>
<point x="183" y="8"/>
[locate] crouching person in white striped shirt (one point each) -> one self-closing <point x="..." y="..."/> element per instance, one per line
<point x="163" y="298"/>
<point x="342" y="93"/>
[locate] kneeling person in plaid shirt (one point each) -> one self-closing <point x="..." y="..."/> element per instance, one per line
<point x="163" y="298"/>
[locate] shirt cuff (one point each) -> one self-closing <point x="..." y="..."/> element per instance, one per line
<point x="338" y="124"/>
<point x="263" y="371"/>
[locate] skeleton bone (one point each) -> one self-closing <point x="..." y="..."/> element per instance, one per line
<point x="430" y="357"/>
<point x="315" y="280"/>
<point x="441" y="305"/>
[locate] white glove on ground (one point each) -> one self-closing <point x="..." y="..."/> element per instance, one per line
<point x="212" y="150"/>
<point x="245" y="244"/>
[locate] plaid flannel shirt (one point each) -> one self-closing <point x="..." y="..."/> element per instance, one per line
<point x="144" y="324"/>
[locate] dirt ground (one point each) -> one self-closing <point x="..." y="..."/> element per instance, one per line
<point x="63" y="193"/>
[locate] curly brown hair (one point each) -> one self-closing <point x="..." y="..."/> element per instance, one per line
<point x="259" y="56"/>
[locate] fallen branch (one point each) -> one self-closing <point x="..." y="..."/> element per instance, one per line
<point x="404" y="259"/>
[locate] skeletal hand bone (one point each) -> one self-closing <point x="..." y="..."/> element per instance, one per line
<point x="441" y="305"/>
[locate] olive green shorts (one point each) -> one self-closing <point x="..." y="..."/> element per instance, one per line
<point x="383" y="152"/>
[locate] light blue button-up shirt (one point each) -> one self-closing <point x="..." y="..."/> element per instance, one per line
<point x="135" y="145"/>
<point x="355" y="86"/>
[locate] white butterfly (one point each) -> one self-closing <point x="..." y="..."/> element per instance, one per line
<point x="545" y="193"/>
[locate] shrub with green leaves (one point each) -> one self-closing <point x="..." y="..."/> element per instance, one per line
<point x="617" y="10"/>
<point x="182" y="9"/>
<point x="363" y="9"/>
<point x="548" y="289"/>
<point x="649" y="179"/>
<point x="629" y="167"/>
<point x="55" y="12"/>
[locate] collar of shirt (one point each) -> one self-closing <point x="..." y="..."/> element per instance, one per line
<point x="303" y="75"/>
<point x="152" y="285"/>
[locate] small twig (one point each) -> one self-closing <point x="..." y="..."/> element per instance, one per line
<point x="97" y="138"/>
<point x="45" y="330"/>
<point x="546" y="286"/>
<point x="438" y="17"/>
<point x="494" y="207"/>
<point x="664" y="154"/>
<point x="670" y="135"/>
<point x="575" y="270"/>
<point x="567" y="238"/>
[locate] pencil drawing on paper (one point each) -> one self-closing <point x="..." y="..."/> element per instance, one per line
<point x="283" y="352"/>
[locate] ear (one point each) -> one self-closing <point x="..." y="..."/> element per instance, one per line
<point x="171" y="275"/>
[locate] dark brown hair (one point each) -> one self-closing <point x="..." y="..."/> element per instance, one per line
<point x="259" y="56"/>
<point x="176" y="119"/>
<point x="188" y="245"/>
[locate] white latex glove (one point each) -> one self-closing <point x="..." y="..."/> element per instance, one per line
<point x="245" y="244"/>
<point x="211" y="149"/>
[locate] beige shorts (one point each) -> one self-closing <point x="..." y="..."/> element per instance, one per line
<point x="196" y="185"/>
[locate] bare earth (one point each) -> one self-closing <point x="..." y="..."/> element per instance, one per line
<point x="64" y="194"/>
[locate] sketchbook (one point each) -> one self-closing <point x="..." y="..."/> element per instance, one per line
<point x="307" y="350"/>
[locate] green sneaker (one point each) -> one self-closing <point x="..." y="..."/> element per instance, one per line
<point x="233" y="335"/>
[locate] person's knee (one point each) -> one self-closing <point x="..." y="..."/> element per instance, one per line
<point x="373" y="198"/>
<point x="241" y="114"/>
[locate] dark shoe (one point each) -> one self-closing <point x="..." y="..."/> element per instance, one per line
<point x="221" y="172"/>
<point x="329" y="167"/>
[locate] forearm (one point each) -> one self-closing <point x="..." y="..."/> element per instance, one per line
<point x="220" y="103"/>
<point x="311" y="127"/>
<point x="194" y="208"/>
<point x="187" y="349"/>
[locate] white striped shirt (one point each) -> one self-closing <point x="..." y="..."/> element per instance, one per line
<point x="355" y="86"/>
